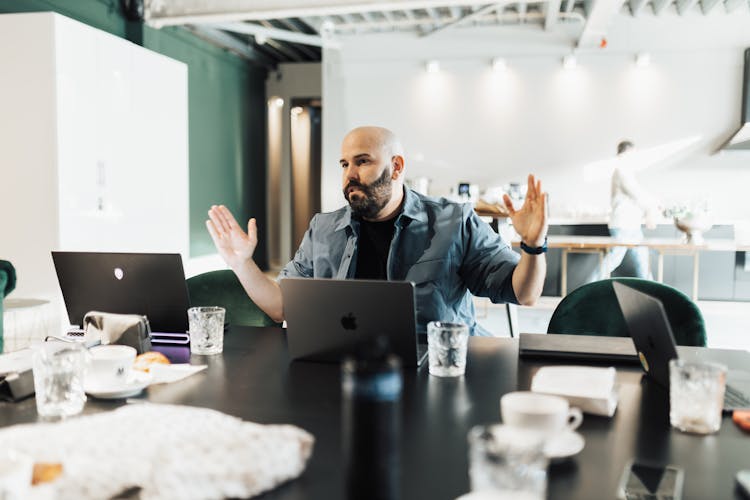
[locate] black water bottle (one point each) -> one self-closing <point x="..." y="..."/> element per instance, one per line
<point x="371" y="384"/>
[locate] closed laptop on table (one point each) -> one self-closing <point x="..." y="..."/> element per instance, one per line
<point x="328" y="318"/>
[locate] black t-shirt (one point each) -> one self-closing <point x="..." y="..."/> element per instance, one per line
<point x="372" y="249"/>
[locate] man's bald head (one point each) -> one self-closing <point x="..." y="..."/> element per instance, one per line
<point x="377" y="137"/>
<point x="372" y="160"/>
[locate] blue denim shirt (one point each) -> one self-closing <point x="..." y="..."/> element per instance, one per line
<point x="441" y="246"/>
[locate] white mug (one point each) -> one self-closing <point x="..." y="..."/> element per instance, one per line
<point x="110" y="364"/>
<point x="541" y="412"/>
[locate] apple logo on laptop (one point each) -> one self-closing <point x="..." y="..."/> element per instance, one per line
<point x="349" y="322"/>
<point x="119" y="273"/>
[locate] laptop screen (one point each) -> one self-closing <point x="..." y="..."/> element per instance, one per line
<point x="126" y="283"/>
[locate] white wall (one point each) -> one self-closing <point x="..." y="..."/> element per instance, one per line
<point x="93" y="147"/>
<point x="467" y="123"/>
<point x="289" y="81"/>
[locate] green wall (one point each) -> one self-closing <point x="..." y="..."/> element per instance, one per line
<point x="226" y="112"/>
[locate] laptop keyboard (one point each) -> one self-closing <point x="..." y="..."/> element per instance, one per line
<point x="735" y="399"/>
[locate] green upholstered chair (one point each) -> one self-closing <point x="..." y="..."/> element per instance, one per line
<point x="592" y="309"/>
<point x="7" y="284"/>
<point x="222" y="288"/>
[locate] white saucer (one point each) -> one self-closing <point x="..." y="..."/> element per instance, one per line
<point x="564" y="446"/>
<point x="134" y="385"/>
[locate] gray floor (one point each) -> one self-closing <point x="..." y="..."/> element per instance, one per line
<point x="727" y="323"/>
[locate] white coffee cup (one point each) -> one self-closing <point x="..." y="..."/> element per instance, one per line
<point x="547" y="414"/>
<point x="110" y="364"/>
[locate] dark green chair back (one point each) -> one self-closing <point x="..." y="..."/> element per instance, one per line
<point x="222" y="288"/>
<point x="7" y="284"/>
<point x="592" y="309"/>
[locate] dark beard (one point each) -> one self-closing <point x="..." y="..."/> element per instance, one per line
<point x="375" y="196"/>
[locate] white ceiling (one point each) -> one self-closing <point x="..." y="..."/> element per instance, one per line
<point x="294" y="30"/>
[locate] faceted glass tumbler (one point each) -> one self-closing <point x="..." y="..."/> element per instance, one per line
<point x="206" y="329"/>
<point x="696" y="395"/>
<point x="59" y="368"/>
<point x="507" y="462"/>
<point x="446" y="346"/>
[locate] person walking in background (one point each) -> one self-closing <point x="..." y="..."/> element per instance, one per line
<point x="630" y="205"/>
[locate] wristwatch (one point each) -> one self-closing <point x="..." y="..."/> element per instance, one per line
<point x="535" y="250"/>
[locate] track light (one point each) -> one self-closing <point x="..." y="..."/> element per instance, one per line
<point x="499" y="64"/>
<point x="642" y="59"/>
<point x="570" y="61"/>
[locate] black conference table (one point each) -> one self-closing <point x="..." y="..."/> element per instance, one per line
<point x="254" y="379"/>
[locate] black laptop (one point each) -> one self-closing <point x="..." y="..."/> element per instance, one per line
<point x="151" y="284"/>
<point x="328" y="319"/>
<point x="652" y="336"/>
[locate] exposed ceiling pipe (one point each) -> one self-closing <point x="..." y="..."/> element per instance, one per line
<point x="276" y="34"/>
<point x="157" y="15"/>
<point x="461" y="20"/>
<point x="411" y="23"/>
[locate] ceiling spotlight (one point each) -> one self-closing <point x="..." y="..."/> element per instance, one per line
<point x="261" y="39"/>
<point x="328" y="27"/>
<point x="432" y="66"/>
<point x="570" y="62"/>
<point x="277" y="101"/>
<point x="642" y="59"/>
<point x="499" y="64"/>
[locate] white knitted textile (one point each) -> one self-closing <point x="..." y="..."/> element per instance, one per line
<point x="169" y="451"/>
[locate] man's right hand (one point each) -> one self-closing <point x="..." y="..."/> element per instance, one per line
<point x="235" y="246"/>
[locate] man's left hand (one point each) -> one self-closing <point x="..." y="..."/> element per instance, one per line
<point x="530" y="221"/>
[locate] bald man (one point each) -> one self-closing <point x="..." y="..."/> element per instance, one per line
<point x="391" y="232"/>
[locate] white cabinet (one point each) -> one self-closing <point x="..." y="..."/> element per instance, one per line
<point x="93" y="147"/>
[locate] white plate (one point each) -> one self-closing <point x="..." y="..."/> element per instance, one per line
<point x="564" y="446"/>
<point x="134" y="385"/>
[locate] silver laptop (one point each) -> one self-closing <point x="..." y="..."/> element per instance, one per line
<point x="652" y="336"/>
<point x="327" y="319"/>
<point x="151" y="284"/>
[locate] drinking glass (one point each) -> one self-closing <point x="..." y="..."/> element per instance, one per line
<point x="446" y="346"/>
<point x="58" y="369"/>
<point x="206" y="329"/>
<point x="508" y="462"/>
<point x="696" y="395"/>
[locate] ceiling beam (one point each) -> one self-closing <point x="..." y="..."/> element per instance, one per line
<point x="307" y="51"/>
<point x="464" y="19"/>
<point x="636" y="6"/>
<point x="708" y="5"/>
<point x="660" y="6"/>
<point x="275" y="34"/>
<point x="523" y="9"/>
<point x="569" y="6"/>
<point x="685" y="6"/>
<point x="232" y="44"/>
<point x="600" y="16"/>
<point x="732" y="5"/>
<point x="157" y="16"/>
<point x="552" y="14"/>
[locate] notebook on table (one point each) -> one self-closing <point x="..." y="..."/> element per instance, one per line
<point x="328" y="319"/>
<point x="578" y="347"/>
